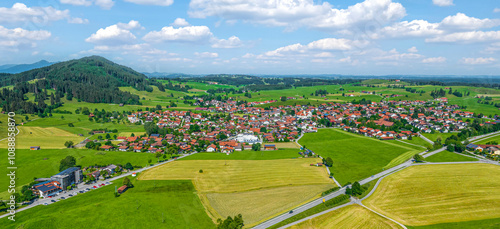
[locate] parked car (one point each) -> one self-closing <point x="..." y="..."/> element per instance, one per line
<point x="69" y="195"/>
<point x="53" y="201"/>
<point x="62" y="198"/>
<point x="290" y="212"/>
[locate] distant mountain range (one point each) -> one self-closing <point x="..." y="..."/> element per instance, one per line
<point x="18" y="68"/>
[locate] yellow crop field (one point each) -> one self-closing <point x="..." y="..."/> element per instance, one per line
<point x="352" y="216"/>
<point x="257" y="189"/>
<point x="288" y="145"/>
<point x="241" y="175"/>
<point x="432" y="194"/>
<point x="265" y="203"/>
<point x="46" y="138"/>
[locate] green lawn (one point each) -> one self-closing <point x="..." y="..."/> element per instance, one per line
<point x="435" y="136"/>
<point x="150" y="204"/>
<point x="45" y="162"/>
<point x="355" y="157"/>
<point x="82" y="125"/>
<point x="418" y="141"/>
<point x="447" y="156"/>
<point x="247" y="155"/>
<point x="489" y="139"/>
<point x="483" y="224"/>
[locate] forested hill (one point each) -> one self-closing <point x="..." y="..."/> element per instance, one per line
<point x="93" y="70"/>
<point x="91" y="79"/>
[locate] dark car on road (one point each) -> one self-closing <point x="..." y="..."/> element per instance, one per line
<point x="53" y="201"/>
<point x="291" y="212"/>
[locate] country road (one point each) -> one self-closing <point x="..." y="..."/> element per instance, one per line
<point x="382" y="174"/>
<point x="84" y="186"/>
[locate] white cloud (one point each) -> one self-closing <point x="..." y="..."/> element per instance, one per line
<point x="324" y="55"/>
<point x="478" y="61"/>
<point x="232" y="42"/>
<point x="443" y="2"/>
<point x="422" y="28"/>
<point x="207" y="54"/>
<point x="77" y="2"/>
<point x="182" y="34"/>
<point x="467" y="37"/>
<point x="111" y="35"/>
<point x="415" y="28"/>
<point x="18" y="37"/>
<point x="413" y="49"/>
<point x="152" y="2"/>
<point x="20" y="13"/>
<point x="104" y="4"/>
<point x="434" y="60"/>
<point x="180" y="22"/>
<point x="115" y="35"/>
<point x="464" y="22"/>
<point x="393" y="55"/>
<point x="131" y="25"/>
<point x="299" y="13"/>
<point x="78" y="20"/>
<point x="318" y="48"/>
<point x="496" y="10"/>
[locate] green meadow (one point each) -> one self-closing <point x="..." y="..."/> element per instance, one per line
<point x="45" y="162"/>
<point x="447" y="156"/>
<point x="149" y="204"/>
<point x="248" y="155"/>
<point x="355" y="157"/>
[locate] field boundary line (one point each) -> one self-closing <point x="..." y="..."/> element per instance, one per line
<point x="410" y="144"/>
<point x="316" y="215"/>
<point x="400" y="224"/>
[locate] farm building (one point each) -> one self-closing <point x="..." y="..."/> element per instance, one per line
<point x="270" y="147"/>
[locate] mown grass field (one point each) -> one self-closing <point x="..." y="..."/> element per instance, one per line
<point x="435" y="136"/>
<point x="352" y="216"/>
<point x="258" y="189"/>
<point x="495" y="138"/>
<point x="418" y="141"/>
<point x="45" y="163"/>
<point x="433" y="194"/>
<point x="354" y="156"/>
<point x="447" y="156"/>
<point x="150" y="204"/>
<point x="264" y="203"/>
<point x="483" y="224"/>
<point x="82" y="125"/>
<point x="241" y="175"/>
<point x="247" y="155"/>
<point x="46" y="138"/>
<point x="288" y="145"/>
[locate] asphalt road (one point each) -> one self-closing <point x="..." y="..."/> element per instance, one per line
<point x="83" y="187"/>
<point x="341" y="191"/>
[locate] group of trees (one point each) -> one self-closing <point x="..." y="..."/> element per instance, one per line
<point x="231" y="223"/>
<point x="67" y="162"/>
<point x="90" y="79"/>
<point x="356" y="189"/>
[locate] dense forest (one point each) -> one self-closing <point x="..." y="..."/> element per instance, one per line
<point x="255" y="83"/>
<point x="91" y="79"/>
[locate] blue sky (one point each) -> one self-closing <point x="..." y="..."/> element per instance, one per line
<point x="371" y="37"/>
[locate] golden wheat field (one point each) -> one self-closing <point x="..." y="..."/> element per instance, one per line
<point x="46" y="138"/>
<point x="352" y="216"/>
<point x="257" y="189"/>
<point x="432" y="194"/>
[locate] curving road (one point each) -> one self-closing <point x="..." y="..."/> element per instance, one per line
<point x="382" y="174"/>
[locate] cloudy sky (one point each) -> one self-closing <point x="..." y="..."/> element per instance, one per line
<point x="371" y="37"/>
